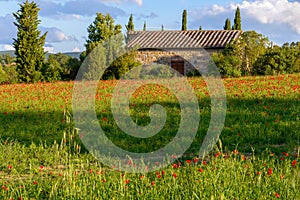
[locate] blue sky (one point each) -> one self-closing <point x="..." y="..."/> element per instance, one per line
<point x="67" y="20"/>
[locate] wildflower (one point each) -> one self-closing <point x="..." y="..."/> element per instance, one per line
<point x="91" y="171"/>
<point x="141" y="176"/>
<point x="195" y="160"/>
<point x="175" y="166"/>
<point x="294" y="163"/>
<point x="41" y="167"/>
<point x="258" y="173"/>
<point x="282" y="158"/>
<point x="158" y="176"/>
<point x="104" y="180"/>
<point x="270" y="171"/>
<point x="127" y="181"/>
<point x="35" y="182"/>
<point x="284" y="153"/>
<point x="162" y="172"/>
<point x="174" y="175"/>
<point x="9" y="167"/>
<point x="204" y="163"/>
<point x="217" y="154"/>
<point x="282" y="176"/>
<point x="188" y="161"/>
<point x="277" y="195"/>
<point x="200" y="170"/>
<point x="243" y="157"/>
<point x="235" y="152"/>
<point x="152" y="183"/>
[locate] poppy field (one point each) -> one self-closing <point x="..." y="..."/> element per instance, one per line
<point x="42" y="156"/>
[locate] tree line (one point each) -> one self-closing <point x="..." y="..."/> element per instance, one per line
<point x="251" y="54"/>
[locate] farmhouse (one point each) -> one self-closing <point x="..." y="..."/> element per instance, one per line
<point x="175" y="47"/>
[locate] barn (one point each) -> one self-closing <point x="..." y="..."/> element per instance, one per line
<point x="174" y="47"/>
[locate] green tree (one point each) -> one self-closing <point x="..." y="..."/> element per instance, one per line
<point x="227" y="25"/>
<point x="162" y="27"/>
<point x="237" y="20"/>
<point x="101" y="29"/>
<point x="29" y="45"/>
<point x="129" y="27"/>
<point x="200" y="28"/>
<point x="144" y="28"/>
<point x="240" y="56"/>
<point x="184" y="21"/>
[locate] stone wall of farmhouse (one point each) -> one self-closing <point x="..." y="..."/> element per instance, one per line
<point x="192" y="58"/>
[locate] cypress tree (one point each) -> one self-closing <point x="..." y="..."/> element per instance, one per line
<point x="184" y="21"/>
<point x="29" y="45"/>
<point x="237" y="20"/>
<point x="144" y="29"/>
<point x="162" y="27"/>
<point x="227" y="24"/>
<point x="129" y="27"/>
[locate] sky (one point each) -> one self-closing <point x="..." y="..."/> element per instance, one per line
<point x="66" y="21"/>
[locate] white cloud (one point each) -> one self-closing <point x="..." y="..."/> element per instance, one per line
<point x="55" y="35"/>
<point x="273" y="11"/>
<point x="6" y="47"/>
<point x="138" y="2"/>
<point x="49" y="49"/>
<point x="76" y="49"/>
<point x="263" y="11"/>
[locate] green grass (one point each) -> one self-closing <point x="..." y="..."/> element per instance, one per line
<point x="262" y="122"/>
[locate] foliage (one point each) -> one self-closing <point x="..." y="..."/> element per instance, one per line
<point x="129" y="27"/>
<point x="121" y="66"/>
<point x="239" y="57"/>
<point x="144" y="28"/>
<point x="184" y="21"/>
<point x="279" y="60"/>
<point x="60" y="67"/>
<point x="29" y="45"/>
<point x="237" y="20"/>
<point x="227" y="25"/>
<point x="101" y="29"/>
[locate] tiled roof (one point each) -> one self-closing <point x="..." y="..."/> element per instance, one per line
<point x="182" y="39"/>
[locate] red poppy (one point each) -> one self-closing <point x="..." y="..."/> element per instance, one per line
<point x="35" y="182"/>
<point x="174" y="175"/>
<point x="152" y="183"/>
<point x="127" y="181"/>
<point x="200" y="170"/>
<point x="258" y="173"/>
<point x="270" y="171"/>
<point x="284" y="153"/>
<point x="188" y="161"/>
<point x="294" y="163"/>
<point x="9" y="166"/>
<point x="277" y="195"/>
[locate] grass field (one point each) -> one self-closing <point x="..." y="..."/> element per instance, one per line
<point x="258" y="158"/>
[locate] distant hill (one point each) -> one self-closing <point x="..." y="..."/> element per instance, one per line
<point x="71" y="54"/>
